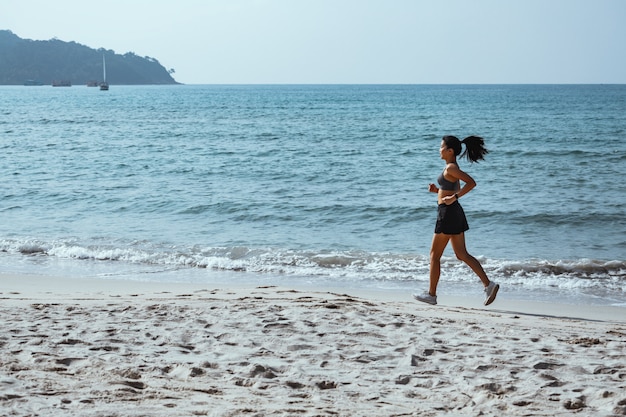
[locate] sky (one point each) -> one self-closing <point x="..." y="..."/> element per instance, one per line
<point x="346" y="41"/>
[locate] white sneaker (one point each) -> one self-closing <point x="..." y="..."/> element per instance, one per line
<point x="426" y="298"/>
<point x="491" y="291"/>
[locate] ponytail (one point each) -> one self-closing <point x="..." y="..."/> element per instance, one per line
<point x="474" y="148"/>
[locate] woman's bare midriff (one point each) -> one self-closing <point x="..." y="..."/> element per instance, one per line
<point x="444" y="193"/>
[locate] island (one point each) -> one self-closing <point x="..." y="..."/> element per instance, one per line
<point x="56" y="62"/>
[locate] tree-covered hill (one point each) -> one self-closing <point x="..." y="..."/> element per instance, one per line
<point x="55" y="60"/>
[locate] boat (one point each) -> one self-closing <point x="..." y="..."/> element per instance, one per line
<point x="61" y="83"/>
<point x="104" y="86"/>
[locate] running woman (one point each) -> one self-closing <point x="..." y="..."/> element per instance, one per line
<point x="451" y="221"/>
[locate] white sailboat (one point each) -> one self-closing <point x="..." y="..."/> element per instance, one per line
<point x="104" y="86"/>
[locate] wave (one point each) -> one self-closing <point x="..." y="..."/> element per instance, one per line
<point x="349" y="266"/>
<point x="613" y="214"/>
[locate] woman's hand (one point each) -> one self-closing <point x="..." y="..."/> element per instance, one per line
<point x="433" y="188"/>
<point x="449" y="199"/>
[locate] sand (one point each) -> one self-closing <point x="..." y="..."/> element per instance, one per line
<point x="75" y="347"/>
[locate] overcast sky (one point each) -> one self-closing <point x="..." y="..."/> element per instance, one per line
<point x="346" y="41"/>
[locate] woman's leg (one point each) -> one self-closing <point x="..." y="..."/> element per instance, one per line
<point x="440" y="241"/>
<point x="458" y="244"/>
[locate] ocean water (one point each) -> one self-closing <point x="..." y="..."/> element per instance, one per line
<point x="315" y="185"/>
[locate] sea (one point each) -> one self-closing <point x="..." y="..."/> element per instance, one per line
<point x="315" y="185"/>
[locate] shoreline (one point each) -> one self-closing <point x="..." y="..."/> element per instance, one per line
<point x="56" y="287"/>
<point x="107" y="347"/>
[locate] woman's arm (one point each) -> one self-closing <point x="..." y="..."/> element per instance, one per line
<point x="454" y="171"/>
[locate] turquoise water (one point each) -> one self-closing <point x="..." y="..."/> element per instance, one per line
<point x="319" y="184"/>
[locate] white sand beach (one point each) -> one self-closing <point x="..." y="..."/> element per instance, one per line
<point x="73" y="347"/>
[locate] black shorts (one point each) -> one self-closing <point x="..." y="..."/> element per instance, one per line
<point x="451" y="219"/>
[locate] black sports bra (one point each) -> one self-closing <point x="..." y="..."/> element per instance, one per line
<point x="446" y="185"/>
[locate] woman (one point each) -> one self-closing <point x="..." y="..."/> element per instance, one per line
<point x="451" y="222"/>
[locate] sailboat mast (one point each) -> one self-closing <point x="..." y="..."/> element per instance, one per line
<point x="103" y="85"/>
<point x="104" y="69"/>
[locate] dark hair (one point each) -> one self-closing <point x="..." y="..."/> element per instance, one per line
<point x="474" y="147"/>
